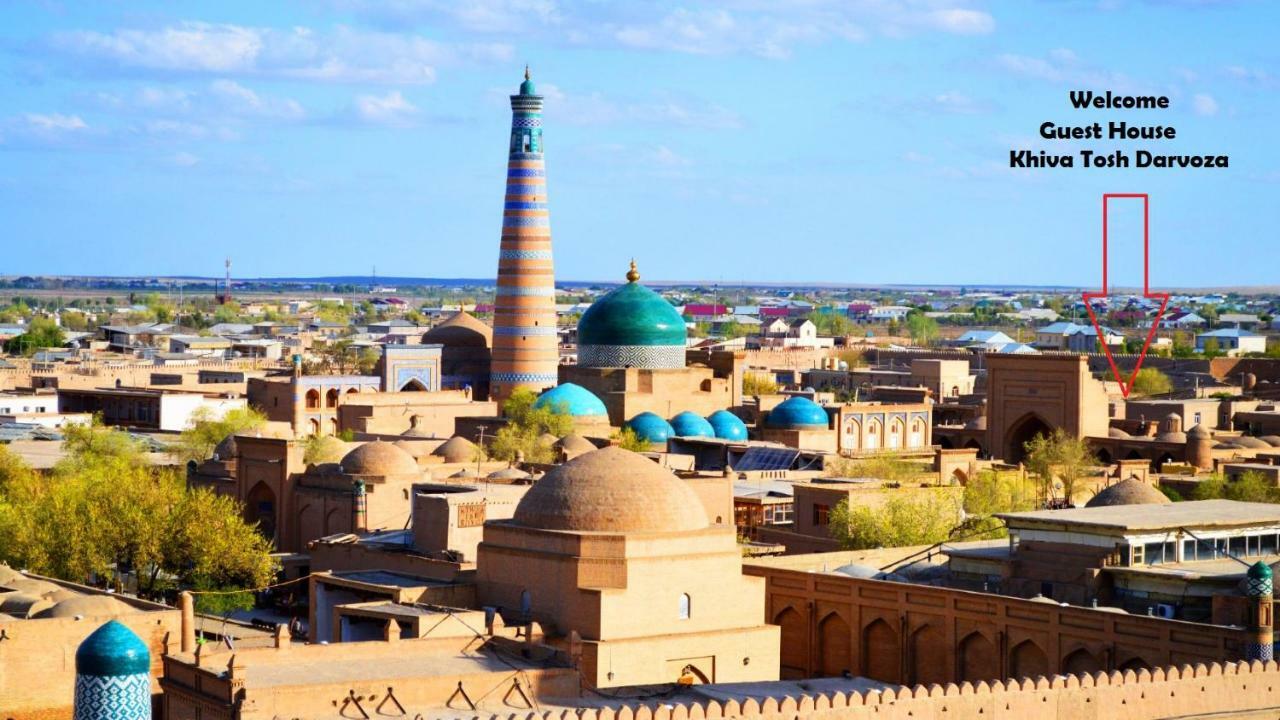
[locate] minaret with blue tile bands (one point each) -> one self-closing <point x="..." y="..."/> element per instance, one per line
<point x="113" y="675"/>
<point x="525" y="348"/>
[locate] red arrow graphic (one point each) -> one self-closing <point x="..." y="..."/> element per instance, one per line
<point x="1127" y="385"/>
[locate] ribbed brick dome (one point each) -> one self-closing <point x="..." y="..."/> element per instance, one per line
<point x="611" y="490"/>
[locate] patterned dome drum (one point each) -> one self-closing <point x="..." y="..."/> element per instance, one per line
<point x="727" y="426"/>
<point x="113" y="675"/>
<point x="690" y="424"/>
<point x="651" y="428"/>
<point x="631" y="326"/>
<point x="572" y="399"/>
<point x="798" y="413"/>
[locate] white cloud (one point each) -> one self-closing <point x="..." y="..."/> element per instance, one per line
<point x="665" y="156"/>
<point x="962" y="21"/>
<point x="595" y="108"/>
<point x="184" y="159"/>
<point x="240" y="100"/>
<point x="344" y="55"/>
<point x="391" y="109"/>
<point x="55" y="122"/>
<point x="1204" y="104"/>
<point x="1064" y="67"/>
<point x="495" y="16"/>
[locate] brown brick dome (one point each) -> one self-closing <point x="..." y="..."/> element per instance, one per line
<point x="460" y="330"/>
<point x="1129" y="491"/>
<point x="378" y="458"/>
<point x="611" y="490"/>
<point x="456" y="449"/>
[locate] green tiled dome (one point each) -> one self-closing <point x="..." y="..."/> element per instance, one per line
<point x="631" y="315"/>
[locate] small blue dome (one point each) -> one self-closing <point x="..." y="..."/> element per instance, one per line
<point x="113" y="650"/>
<point x="691" y="424"/>
<point x="572" y="399"/>
<point x="727" y="426"/>
<point x="651" y="428"/>
<point x="798" y="413"/>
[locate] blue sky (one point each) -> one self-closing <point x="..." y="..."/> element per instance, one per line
<point x="850" y="141"/>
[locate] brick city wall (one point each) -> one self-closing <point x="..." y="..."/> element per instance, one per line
<point x="1222" y="690"/>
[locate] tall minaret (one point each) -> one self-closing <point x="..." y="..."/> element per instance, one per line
<point x="525" y="349"/>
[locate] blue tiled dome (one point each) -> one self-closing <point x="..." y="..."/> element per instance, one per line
<point x="798" y="413"/>
<point x="631" y="326"/>
<point x="573" y="399"/>
<point x="727" y="426"/>
<point x="691" y="424"/>
<point x="113" y="650"/>
<point x="651" y="428"/>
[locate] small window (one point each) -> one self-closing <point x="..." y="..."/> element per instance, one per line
<point x="821" y="514"/>
<point x="684" y="606"/>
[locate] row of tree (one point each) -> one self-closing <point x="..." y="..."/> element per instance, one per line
<point x="105" y="514"/>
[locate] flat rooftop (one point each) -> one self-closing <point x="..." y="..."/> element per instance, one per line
<point x="1194" y="514"/>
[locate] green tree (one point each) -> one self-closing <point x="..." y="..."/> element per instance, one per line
<point x="627" y="439"/>
<point x="318" y="449"/>
<point x="1249" y="487"/>
<point x="1058" y="458"/>
<point x="41" y="333"/>
<point x="757" y="384"/>
<point x="526" y="424"/>
<point x="988" y="493"/>
<point x="198" y="441"/>
<point x="104" y="511"/>
<point x="1150" y="381"/>
<point x="922" y="328"/>
<point x="923" y="519"/>
<point x="888" y="466"/>
<point x="1211" y="348"/>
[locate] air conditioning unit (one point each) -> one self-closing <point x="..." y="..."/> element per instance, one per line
<point x="1168" y="612"/>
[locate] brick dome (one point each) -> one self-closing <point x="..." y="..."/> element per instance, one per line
<point x="378" y="458"/>
<point x="460" y="330"/>
<point x="1129" y="491"/>
<point x="611" y="490"/>
<point x="456" y="449"/>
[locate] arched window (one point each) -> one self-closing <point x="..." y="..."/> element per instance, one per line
<point x="684" y="606"/>
<point x="313" y="399"/>
<point x="916" y="438"/>
<point x="331" y="398"/>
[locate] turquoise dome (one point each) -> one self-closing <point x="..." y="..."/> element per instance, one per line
<point x="631" y="315"/>
<point x="526" y="87"/>
<point x="691" y="424"/>
<point x="798" y="413"/>
<point x="113" y="650"/>
<point x="727" y="426"/>
<point x="573" y="399"/>
<point x="1259" y="570"/>
<point x="651" y="428"/>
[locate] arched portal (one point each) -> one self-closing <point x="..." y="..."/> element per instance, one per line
<point x="414" y="385"/>
<point x="978" y="659"/>
<point x="1080" y="662"/>
<point x="881" y="652"/>
<point x="1104" y="456"/>
<point x="1022" y="432"/>
<point x="929" y="656"/>
<point x="795" y="651"/>
<point x="260" y="508"/>
<point x="835" y="646"/>
<point x="1027" y="660"/>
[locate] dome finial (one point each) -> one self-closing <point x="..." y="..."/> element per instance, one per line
<point x="633" y="275"/>
<point x="526" y="71"/>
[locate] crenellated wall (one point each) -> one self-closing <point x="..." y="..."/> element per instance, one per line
<point x="1225" y="690"/>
